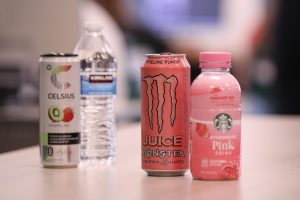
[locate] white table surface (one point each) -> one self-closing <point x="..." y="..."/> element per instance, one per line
<point x="270" y="170"/>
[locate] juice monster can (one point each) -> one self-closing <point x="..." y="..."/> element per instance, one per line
<point x="165" y="83"/>
<point x="59" y="110"/>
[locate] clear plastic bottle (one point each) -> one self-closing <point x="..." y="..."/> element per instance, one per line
<point x="98" y="91"/>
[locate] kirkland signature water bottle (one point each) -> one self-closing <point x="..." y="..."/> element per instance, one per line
<point x="98" y="91"/>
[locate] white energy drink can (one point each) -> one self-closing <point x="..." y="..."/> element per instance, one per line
<point x="59" y="110"/>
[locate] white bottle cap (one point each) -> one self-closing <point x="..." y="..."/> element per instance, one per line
<point x="92" y="26"/>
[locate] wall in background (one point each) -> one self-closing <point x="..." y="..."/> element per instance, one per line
<point x="44" y="25"/>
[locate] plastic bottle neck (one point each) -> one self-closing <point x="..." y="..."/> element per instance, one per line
<point x="215" y="69"/>
<point x="92" y="32"/>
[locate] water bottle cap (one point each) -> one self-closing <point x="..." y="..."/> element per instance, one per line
<point x="92" y="26"/>
<point x="215" y="59"/>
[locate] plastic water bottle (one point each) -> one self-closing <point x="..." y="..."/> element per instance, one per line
<point x="98" y="91"/>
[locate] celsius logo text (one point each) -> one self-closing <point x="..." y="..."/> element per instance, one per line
<point x="55" y="81"/>
<point x="160" y="82"/>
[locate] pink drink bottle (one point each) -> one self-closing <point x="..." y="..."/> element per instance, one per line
<point x="215" y="120"/>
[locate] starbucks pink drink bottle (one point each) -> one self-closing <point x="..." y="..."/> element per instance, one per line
<point x="215" y="120"/>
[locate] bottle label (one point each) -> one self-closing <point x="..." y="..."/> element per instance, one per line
<point x="216" y="146"/>
<point x="215" y="131"/>
<point x="98" y="83"/>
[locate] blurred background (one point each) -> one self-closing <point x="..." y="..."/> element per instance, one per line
<point x="263" y="36"/>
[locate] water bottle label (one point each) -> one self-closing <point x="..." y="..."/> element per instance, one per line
<point x="103" y="83"/>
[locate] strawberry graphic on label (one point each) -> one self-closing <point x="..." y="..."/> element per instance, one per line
<point x="202" y="130"/>
<point x="230" y="172"/>
<point x="68" y="115"/>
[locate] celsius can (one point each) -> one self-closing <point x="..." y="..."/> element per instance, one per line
<point x="215" y="120"/>
<point x="165" y="83"/>
<point x="59" y="110"/>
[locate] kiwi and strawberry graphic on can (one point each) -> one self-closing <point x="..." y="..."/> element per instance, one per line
<point x="57" y="114"/>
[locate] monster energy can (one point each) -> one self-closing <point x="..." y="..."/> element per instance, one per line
<point x="165" y="83"/>
<point x="59" y="110"/>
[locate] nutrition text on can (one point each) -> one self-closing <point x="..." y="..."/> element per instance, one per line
<point x="165" y="83"/>
<point x="59" y="110"/>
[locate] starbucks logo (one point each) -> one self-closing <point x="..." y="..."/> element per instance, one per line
<point x="223" y="122"/>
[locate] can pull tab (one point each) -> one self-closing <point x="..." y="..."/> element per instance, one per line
<point x="166" y="53"/>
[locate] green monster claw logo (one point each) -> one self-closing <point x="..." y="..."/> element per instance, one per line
<point x="56" y="71"/>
